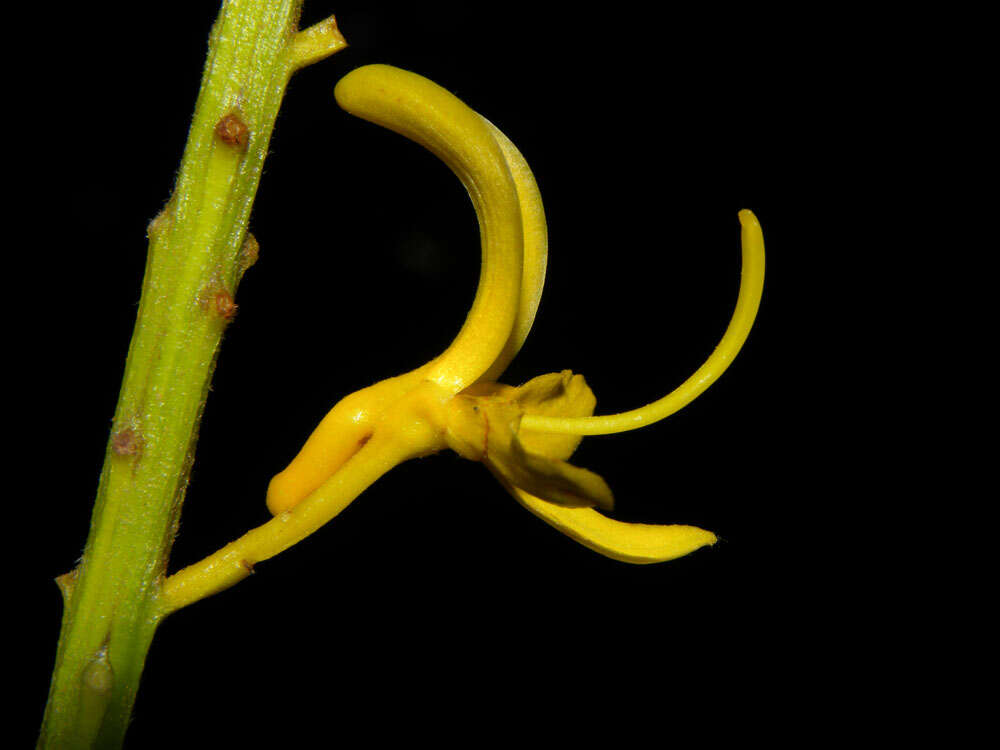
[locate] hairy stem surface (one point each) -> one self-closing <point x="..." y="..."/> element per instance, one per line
<point x="198" y="251"/>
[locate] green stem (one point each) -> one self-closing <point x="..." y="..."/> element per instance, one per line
<point x="198" y="250"/>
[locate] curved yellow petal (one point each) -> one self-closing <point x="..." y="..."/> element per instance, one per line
<point x="747" y="304"/>
<point x="419" y="109"/>
<point x="637" y="543"/>
<point x="504" y="194"/>
<point x="536" y="251"/>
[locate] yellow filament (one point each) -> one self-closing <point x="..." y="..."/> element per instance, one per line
<point x="751" y="288"/>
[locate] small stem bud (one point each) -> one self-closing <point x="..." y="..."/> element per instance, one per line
<point x="159" y="224"/>
<point x="249" y="252"/>
<point x="96" y="683"/>
<point x="66" y="582"/>
<point x="223" y="304"/>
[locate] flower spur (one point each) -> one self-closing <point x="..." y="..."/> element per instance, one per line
<point x="524" y="435"/>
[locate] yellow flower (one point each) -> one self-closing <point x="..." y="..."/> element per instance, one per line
<point x="524" y="435"/>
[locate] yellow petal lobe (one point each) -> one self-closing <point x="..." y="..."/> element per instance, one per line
<point x="506" y="198"/>
<point x="483" y="422"/>
<point x="536" y="250"/>
<point x="557" y="394"/>
<point x="422" y="111"/>
<point x="636" y="543"/>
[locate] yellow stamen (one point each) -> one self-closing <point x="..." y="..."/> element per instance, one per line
<point x="751" y="288"/>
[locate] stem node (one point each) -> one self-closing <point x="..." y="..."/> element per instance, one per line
<point x="127" y="442"/>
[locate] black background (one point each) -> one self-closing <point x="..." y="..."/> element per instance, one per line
<point x="436" y="607"/>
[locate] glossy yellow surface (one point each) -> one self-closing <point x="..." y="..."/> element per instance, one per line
<point x="512" y="224"/>
<point x="428" y="114"/>
<point x="638" y="543"/>
<point x="524" y="435"/>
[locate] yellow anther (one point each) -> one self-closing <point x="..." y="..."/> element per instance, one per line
<point x="751" y="288"/>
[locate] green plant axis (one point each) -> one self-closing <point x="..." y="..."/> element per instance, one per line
<point x="198" y="251"/>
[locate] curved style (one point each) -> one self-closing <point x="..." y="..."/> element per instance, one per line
<point x="747" y="304"/>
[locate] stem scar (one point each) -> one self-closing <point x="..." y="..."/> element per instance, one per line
<point x="232" y="130"/>
<point x="223" y="304"/>
<point x="127" y="442"/>
<point x="218" y="301"/>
